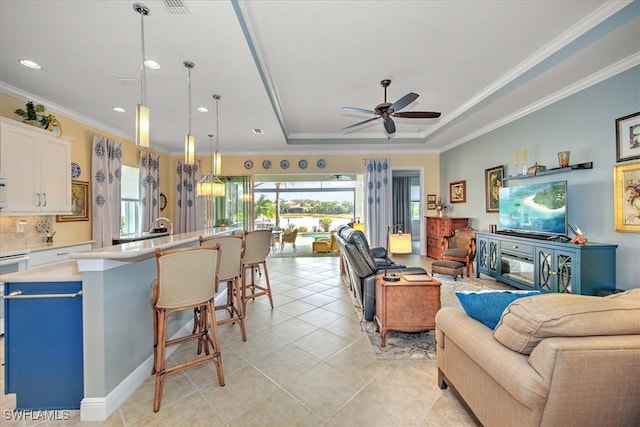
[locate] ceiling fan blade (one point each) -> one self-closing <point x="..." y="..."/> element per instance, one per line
<point x="418" y="114"/>
<point x="361" y="123"/>
<point x="404" y="101"/>
<point x="358" y="110"/>
<point x="389" y="126"/>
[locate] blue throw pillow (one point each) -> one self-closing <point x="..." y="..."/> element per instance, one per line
<point x="487" y="306"/>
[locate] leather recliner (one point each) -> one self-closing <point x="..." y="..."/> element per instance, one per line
<point x="363" y="263"/>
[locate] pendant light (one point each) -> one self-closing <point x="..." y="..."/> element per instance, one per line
<point x="211" y="185"/>
<point x="142" y="111"/>
<point x="190" y="140"/>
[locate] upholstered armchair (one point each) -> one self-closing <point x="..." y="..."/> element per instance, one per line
<point x="460" y="247"/>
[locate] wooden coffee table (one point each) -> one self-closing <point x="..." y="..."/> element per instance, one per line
<point x="406" y="305"/>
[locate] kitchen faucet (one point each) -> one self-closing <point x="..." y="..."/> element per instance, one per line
<point x="162" y="218"/>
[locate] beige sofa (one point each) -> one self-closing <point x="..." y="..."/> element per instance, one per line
<point x="553" y="360"/>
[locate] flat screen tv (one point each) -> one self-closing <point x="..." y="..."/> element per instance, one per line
<point x="534" y="208"/>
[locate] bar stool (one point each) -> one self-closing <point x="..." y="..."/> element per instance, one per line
<point x="231" y="251"/>
<point x="186" y="280"/>
<point x="257" y="245"/>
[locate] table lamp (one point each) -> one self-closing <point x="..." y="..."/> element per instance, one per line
<point x="398" y="244"/>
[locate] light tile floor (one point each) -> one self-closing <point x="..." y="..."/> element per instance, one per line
<point x="305" y="363"/>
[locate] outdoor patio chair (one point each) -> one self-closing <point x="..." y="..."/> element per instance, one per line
<point x="289" y="237"/>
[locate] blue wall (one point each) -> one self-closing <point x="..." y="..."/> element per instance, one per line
<point x="584" y="124"/>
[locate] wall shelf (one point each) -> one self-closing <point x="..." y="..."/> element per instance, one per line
<point x="570" y="168"/>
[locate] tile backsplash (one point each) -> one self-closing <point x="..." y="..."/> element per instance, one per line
<point x="9" y="235"/>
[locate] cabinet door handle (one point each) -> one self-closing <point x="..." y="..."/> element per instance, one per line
<point x="38" y="194"/>
<point x="45" y="199"/>
<point x="18" y="295"/>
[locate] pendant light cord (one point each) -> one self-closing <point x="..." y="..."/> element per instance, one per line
<point x="211" y="150"/>
<point x="217" y="98"/>
<point x="143" y="89"/>
<point x="189" y="98"/>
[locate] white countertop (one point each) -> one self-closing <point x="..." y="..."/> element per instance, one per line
<point x="8" y="250"/>
<point x="145" y="248"/>
<point x="66" y="271"/>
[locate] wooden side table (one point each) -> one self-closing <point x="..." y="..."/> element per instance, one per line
<point x="406" y="306"/>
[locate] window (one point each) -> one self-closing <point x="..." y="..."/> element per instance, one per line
<point x="415" y="201"/>
<point x="130" y="206"/>
<point x="307" y="202"/>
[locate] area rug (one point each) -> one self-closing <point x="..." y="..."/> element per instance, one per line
<point x="401" y="345"/>
<point x="422" y="345"/>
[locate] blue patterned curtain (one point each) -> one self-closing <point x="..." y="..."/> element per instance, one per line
<point x="106" y="168"/>
<point x="378" y="200"/>
<point x="185" y="209"/>
<point x="149" y="187"/>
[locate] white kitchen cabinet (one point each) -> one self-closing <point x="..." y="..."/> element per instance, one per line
<point x="36" y="167"/>
<point x="39" y="257"/>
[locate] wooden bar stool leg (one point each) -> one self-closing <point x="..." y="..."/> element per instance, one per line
<point x="268" y="283"/>
<point x="160" y="356"/>
<point x="211" y="318"/>
<point x="239" y="307"/>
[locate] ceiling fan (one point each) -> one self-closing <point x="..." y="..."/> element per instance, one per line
<point x="386" y="110"/>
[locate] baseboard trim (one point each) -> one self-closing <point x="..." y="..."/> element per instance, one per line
<point x="101" y="408"/>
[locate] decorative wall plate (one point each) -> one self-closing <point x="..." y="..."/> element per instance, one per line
<point x="75" y="170"/>
<point x="266" y="164"/>
<point x="321" y="163"/>
<point x="163" y="201"/>
<point x="302" y="164"/>
<point x="284" y="164"/>
<point x="248" y="164"/>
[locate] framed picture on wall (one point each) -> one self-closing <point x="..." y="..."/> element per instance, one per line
<point x="79" y="203"/>
<point x="628" y="137"/>
<point x="492" y="183"/>
<point x="458" y="192"/>
<point x="431" y="202"/>
<point x="626" y="197"/>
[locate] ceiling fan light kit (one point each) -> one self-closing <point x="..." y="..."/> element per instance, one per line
<point x="387" y="110"/>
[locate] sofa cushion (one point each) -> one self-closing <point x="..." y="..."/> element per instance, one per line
<point x="487" y="306"/>
<point x="529" y="320"/>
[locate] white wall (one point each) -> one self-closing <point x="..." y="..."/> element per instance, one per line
<point x="583" y="124"/>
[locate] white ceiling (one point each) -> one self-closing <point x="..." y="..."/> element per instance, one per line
<point x="287" y="67"/>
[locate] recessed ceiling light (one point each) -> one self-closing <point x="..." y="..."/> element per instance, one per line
<point x="30" y="64"/>
<point x="258" y="131"/>
<point x="119" y="110"/>
<point x="150" y="63"/>
<point x="202" y="109"/>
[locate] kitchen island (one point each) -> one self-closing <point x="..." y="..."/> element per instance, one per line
<point x="117" y="320"/>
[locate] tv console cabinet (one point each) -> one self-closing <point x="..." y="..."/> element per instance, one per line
<point x="545" y="265"/>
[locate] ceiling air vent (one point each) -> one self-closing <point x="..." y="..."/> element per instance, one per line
<point x="257" y="131"/>
<point x="177" y="7"/>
